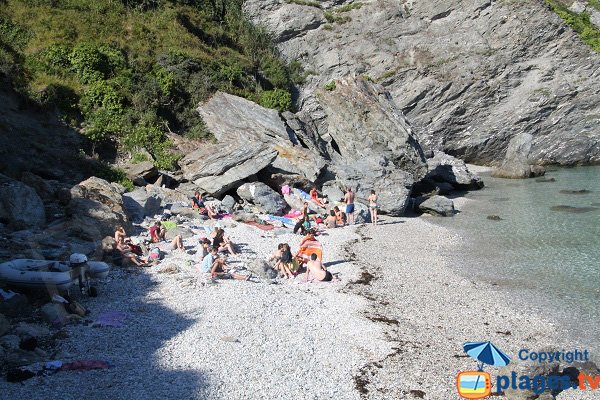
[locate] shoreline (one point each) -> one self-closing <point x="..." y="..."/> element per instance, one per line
<point x="429" y="318"/>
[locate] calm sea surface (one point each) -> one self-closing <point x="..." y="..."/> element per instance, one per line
<point x="548" y="260"/>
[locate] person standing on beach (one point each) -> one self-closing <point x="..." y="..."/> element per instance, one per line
<point x="349" y="200"/>
<point x="373" y="207"/>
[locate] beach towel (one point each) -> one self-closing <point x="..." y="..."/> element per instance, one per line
<point x="264" y="227"/>
<point x="293" y="214"/>
<point x="285" y="220"/>
<point x="169" y="225"/>
<point x="302" y="194"/>
<point x="309" y="247"/>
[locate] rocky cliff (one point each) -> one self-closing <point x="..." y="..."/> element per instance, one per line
<point x="468" y="74"/>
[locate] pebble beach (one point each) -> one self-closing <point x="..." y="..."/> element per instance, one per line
<point x="392" y="327"/>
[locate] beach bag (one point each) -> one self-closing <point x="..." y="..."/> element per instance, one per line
<point x="155" y="254"/>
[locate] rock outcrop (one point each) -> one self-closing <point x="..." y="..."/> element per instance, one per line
<point x="20" y="205"/>
<point x="468" y="74"/>
<point x="95" y="209"/>
<point x="249" y="138"/>
<point x="438" y="205"/>
<point x="263" y="197"/>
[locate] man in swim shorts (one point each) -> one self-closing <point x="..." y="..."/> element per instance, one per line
<point x="349" y="200"/>
<point x="316" y="268"/>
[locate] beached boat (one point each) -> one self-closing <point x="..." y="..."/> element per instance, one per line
<point x="57" y="275"/>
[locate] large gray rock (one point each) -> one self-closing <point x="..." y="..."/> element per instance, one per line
<point x="515" y="165"/>
<point x="365" y="123"/>
<point x="20" y="205"/>
<point x="438" y="206"/>
<point x="468" y="74"/>
<point x="250" y="138"/>
<point x="288" y="22"/>
<point x="263" y="197"/>
<point x="16" y="306"/>
<point x="392" y="186"/>
<point x="184" y="210"/>
<point x="445" y="168"/>
<point x="228" y="204"/>
<point x="141" y="173"/>
<point x="262" y="269"/>
<point x="143" y="202"/>
<point x="95" y="209"/>
<point x="217" y="168"/>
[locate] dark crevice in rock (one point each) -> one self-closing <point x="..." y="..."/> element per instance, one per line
<point x="441" y="15"/>
<point x="335" y="146"/>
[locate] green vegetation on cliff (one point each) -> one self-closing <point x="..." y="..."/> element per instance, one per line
<point x="130" y="71"/>
<point x="580" y="22"/>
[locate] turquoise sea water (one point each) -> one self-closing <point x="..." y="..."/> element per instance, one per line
<point x="548" y="260"/>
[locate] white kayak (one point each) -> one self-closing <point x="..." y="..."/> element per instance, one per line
<point x="49" y="274"/>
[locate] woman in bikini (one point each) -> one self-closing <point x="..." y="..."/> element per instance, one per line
<point x="339" y="216"/>
<point x="373" y="207"/>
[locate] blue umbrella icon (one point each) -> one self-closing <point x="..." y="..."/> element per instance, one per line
<point x="486" y="353"/>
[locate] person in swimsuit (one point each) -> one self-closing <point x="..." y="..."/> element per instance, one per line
<point x="283" y="260"/>
<point x="316" y="268"/>
<point x="349" y="200"/>
<point x="339" y="216"/>
<point x="158" y="232"/>
<point x="127" y="251"/>
<point x="373" y="207"/>
<point x="314" y="196"/>
<point x="218" y="268"/>
<point x="221" y="242"/>
<point x="330" y="221"/>
<point x="197" y="202"/>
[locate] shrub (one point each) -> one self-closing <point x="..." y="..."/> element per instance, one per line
<point x="278" y="99"/>
<point x="330" y="86"/>
<point x="112" y="174"/>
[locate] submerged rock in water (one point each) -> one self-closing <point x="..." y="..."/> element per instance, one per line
<point x="582" y="191"/>
<point x="545" y="180"/>
<point x="572" y="209"/>
<point x="494" y="218"/>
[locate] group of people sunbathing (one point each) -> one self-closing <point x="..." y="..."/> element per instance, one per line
<point x="138" y="254"/>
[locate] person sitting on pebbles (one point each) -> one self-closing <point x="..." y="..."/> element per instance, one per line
<point x="330" y="221"/>
<point x="283" y="260"/>
<point x="317" y="269"/>
<point x="221" y="242"/>
<point x="218" y="268"/>
<point x="127" y="252"/>
<point x="204" y="247"/>
<point x="157" y="235"/>
<point x="314" y="196"/>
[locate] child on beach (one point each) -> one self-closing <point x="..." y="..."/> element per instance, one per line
<point x="373" y="207"/>
<point x="317" y="269"/>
